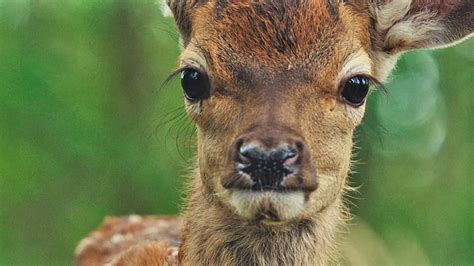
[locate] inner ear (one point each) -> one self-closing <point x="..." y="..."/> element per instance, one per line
<point x="402" y="25"/>
<point x="182" y="12"/>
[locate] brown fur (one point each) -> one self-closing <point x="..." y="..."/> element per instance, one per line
<point x="150" y="254"/>
<point x="276" y="69"/>
<point x="133" y="238"/>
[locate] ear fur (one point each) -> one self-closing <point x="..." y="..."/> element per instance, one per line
<point x="181" y="10"/>
<point x="402" y="25"/>
<point x="165" y="10"/>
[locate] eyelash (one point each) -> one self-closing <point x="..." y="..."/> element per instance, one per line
<point x="377" y="85"/>
<point x="174" y="74"/>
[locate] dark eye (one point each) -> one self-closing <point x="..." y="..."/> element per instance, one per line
<point x="355" y="90"/>
<point x="195" y="84"/>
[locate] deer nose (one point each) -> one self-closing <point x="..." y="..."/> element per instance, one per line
<point x="267" y="166"/>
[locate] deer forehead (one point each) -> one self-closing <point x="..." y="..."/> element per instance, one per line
<point x="278" y="42"/>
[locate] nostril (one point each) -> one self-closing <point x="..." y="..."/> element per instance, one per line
<point x="251" y="153"/>
<point x="244" y="157"/>
<point x="299" y="146"/>
<point x="290" y="159"/>
<point x="289" y="154"/>
<point x="239" y="143"/>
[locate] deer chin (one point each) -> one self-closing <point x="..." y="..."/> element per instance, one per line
<point x="268" y="207"/>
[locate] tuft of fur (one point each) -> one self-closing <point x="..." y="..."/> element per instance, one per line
<point x="216" y="236"/>
<point x="165" y="10"/>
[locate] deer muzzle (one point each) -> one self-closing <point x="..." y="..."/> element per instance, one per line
<point x="269" y="174"/>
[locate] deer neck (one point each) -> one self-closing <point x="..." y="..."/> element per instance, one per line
<point x="214" y="235"/>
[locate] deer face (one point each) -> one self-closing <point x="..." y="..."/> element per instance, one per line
<point x="276" y="89"/>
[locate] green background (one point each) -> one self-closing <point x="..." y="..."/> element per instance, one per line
<point x="86" y="131"/>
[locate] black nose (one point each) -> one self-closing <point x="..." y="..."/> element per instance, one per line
<point x="270" y="159"/>
<point x="267" y="168"/>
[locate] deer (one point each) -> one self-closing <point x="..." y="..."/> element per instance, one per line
<point x="276" y="90"/>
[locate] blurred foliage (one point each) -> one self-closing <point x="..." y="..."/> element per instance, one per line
<point x="87" y="131"/>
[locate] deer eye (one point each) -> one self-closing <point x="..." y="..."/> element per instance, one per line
<point x="355" y="90"/>
<point x="195" y="84"/>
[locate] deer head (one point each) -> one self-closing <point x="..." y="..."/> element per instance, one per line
<point x="277" y="88"/>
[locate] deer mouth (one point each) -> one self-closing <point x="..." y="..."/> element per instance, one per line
<point x="269" y="192"/>
<point x="268" y="206"/>
<point x="269" y="200"/>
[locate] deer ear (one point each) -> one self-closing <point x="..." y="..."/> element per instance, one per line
<point x="402" y="25"/>
<point x="181" y="10"/>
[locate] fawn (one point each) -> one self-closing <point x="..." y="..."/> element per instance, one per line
<point x="276" y="89"/>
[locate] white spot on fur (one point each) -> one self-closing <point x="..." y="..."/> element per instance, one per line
<point x="175" y="252"/>
<point x="288" y="205"/>
<point x="117" y="238"/>
<point x="151" y="231"/>
<point x="134" y="219"/>
<point x="85" y="243"/>
<point x="166" y="11"/>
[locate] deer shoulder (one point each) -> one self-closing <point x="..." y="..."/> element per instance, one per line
<point x="131" y="240"/>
